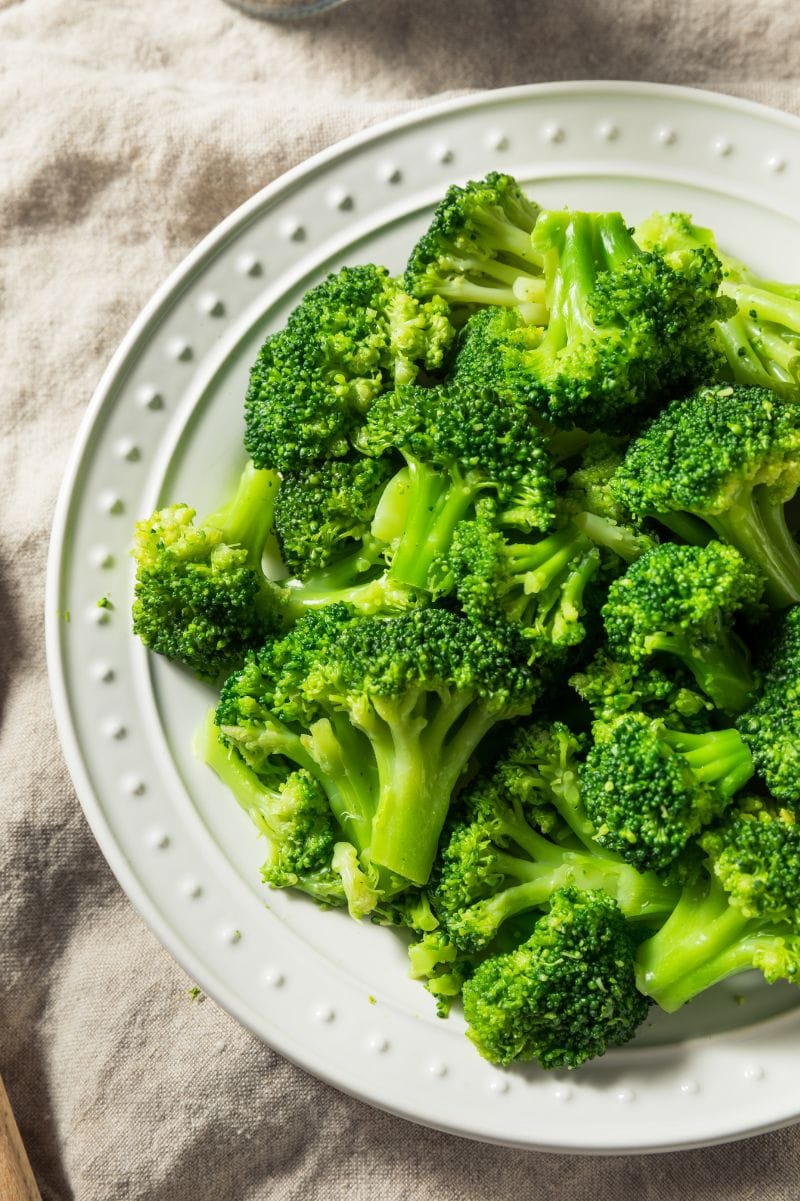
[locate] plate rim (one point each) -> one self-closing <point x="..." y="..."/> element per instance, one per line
<point x="213" y="243"/>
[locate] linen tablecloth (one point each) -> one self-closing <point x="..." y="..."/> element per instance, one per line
<point x="128" y="128"/>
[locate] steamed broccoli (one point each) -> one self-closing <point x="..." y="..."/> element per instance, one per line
<point x="681" y="601"/>
<point x="477" y="249"/>
<point x="588" y="501"/>
<point x="743" y="912"/>
<point x="760" y="337"/>
<point x="352" y="337"/>
<point x="384" y="712"/>
<point x="201" y="597"/>
<point x="649" y="790"/>
<point x="730" y="456"/>
<point x="459" y="445"/>
<point x="565" y="995"/>
<point x="624" y="328"/>
<point x="771" y="726"/>
<point x="495" y="864"/>
<point x="611" y="687"/>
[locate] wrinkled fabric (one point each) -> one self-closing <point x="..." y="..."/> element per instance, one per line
<point x="128" y="129"/>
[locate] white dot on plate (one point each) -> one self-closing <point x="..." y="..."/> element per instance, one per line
<point x="192" y="889"/>
<point x="231" y="936"/>
<point x="390" y="173"/>
<point x="133" y="785"/>
<point x="553" y="134"/>
<point x="442" y="154"/>
<point x="496" y="140"/>
<point x="127" y="449"/>
<point x="666" y="135"/>
<point x="111" y="503"/>
<point x="248" y="264"/>
<point x="101" y="556"/>
<point x="149" y="397"/>
<point x="437" y="1068"/>
<point x="113" y="728"/>
<point x="179" y="350"/>
<point x="292" y="230"/>
<point x="754" y="1072"/>
<point x="499" y="1085"/>
<point x="564" y="1093"/>
<point x="690" y="1088"/>
<point x="211" y="304"/>
<point x="323" y="1014"/>
<point x="608" y="131"/>
<point x="274" y="977"/>
<point x="102" y="672"/>
<point x="378" y="1044"/>
<point x="626" y="1095"/>
<point x="97" y="616"/>
<point x="776" y="164"/>
<point x="339" y="199"/>
<point x="158" y="839"/>
<point x="722" y="147"/>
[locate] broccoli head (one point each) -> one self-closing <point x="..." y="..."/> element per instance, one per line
<point x="729" y="456"/>
<point x="612" y="686"/>
<point x="565" y="995"/>
<point x="352" y="337"/>
<point x="771" y="726"/>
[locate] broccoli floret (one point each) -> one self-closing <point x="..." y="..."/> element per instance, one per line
<point x="352" y="337"/>
<point x="624" y="328"/>
<point x="588" y="501"/>
<point x="538" y="586"/>
<point x="771" y="726"/>
<point x="324" y="512"/>
<point x="743" y="912"/>
<point x="565" y="995"/>
<point x="730" y="456"/>
<point x="477" y="249"/>
<point x="459" y="445"/>
<point x="201" y="597"/>
<point x="760" y="337"/>
<point x="495" y="864"/>
<point x="649" y="789"/>
<point x="681" y="601"/>
<point x="384" y="712"/>
<point x="611" y="687"/>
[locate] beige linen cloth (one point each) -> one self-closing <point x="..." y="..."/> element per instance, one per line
<point x="128" y="129"/>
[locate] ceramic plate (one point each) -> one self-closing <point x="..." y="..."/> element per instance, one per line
<point x="166" y="425"/>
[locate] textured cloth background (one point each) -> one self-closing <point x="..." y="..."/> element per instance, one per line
<point x="128" y="128"/>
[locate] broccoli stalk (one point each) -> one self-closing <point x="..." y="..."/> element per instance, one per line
<point x="741" y="914"/>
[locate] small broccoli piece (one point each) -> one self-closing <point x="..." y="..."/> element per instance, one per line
<point x="760" y="337"/>
<point x="588" y="501"/>
<point x="201" y="597"/>
<point x="352" y="337"/>
<point x="730" y="456"/>
<point x="324" y="512"/>
<point x="290" y="809"/>
<point x="459" y="446"/>
<point x="495" y="864"/>
<point x="611" y="687"/>
<point x="624" y="329"/>
<point x="771" y="726"/>
<point x="477" y="249"/>
<point x="566" y="995"/>
<point x="681" y="601"/>
<point x="742" y="913"/>
<point x="538" y="586"/>
<point x="384" y="712"/>
<point x="649" y="790"/>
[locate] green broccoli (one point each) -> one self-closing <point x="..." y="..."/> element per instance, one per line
<point x="649" y="790"/>
<point x="771" y="726"/>
<point x="352" y="337"/>
<point x="681" y="601"/>
<point x="384" y="712"/>
<point x="477" y="249"/>
<point x="201" y="597"/>
<point x="565" y="995"/>
<point x="742" y="912"/>
<point x="624" y="328"/>
<point x="589" y="503"/>
<point x="730" y="457"/>
<point x="495" y="864"/>
<point x="611" y="687"/>
<point x="760" y="337"/>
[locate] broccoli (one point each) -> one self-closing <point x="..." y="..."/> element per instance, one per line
<point x="729" y="456"/>
<point x="741" y="912"/>
<point x="323" y="512"/>
<point x="539" y="586"/>
<point x="495" y="864"/>
<point x="307" y="850"/>
<point x="771" y="726"/>
<point x="352" y="337"/>
<point x="587" y="500"/>
<point x="384" y="712"/>
<point x="200" y="595"/>
<point x="565" y="995"/>
<point x="680" y="600"/>
<point x="649" y="789"/>
<point x="760" y="337"/>
<point x="624" y="328"/>
<point x="611" y="687"/>
<point x="477" y="249"/>
<point x="459" y="445"/>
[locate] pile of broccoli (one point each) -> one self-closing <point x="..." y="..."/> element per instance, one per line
<point x="522" y="677"/>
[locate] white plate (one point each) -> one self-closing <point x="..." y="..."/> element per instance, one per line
<point x="166" y="424"/>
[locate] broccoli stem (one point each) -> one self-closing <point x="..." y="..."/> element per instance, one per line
<point x="246" y="520"/>
<point x="616" y="240"/>
<point x="348" y="776"/>
<point x="763" y="305"/>
<point x="721" y="668"/>
<point x="240" y="779"/>
<point x="719" y="758"/>
<point x="604" y="532"/>
<point x="756" y="526"/>
<point x="704" y="940"/>
<point x="437" y="501"/>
